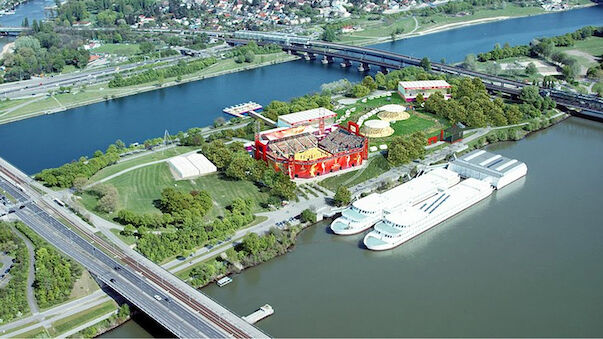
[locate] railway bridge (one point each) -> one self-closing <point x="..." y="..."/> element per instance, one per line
<point x="588" y="106"/>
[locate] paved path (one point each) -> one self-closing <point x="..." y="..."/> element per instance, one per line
<point x="31" y="298"/>
<point x="88" y="324"/>
<point x="47" y="317"/>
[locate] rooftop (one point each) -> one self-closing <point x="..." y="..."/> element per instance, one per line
<point x="492" y="164"/>
<point x="311" y="114"/>
<point x="424" y="84"/>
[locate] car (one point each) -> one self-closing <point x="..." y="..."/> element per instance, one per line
<point x="157" y="297"/>
<point x="112" y="280"/>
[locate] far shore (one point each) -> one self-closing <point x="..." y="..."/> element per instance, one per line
<point x="142" y="89"/>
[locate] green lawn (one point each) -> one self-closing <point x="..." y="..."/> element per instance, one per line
<point x="590" y="45"/>
<point x="377" y="166"/>
<point x="140" y="187"/>
<point x="118" y="49"/>
<point x="72" y="321"/>
<point x="168" y="153"/>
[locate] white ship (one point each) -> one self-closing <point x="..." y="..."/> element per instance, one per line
<point x="412" y="220"/>
<point x="365" y="212"/>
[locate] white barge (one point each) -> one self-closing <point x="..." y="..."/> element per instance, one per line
<point x="483" y="172"/>
<point x="411" y="221"/>
<point x="365" y="212"/>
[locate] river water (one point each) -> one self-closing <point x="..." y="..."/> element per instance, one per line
<point x="51" y="140"/>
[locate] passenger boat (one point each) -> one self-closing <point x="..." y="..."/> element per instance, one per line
<point x="224" y="281"/>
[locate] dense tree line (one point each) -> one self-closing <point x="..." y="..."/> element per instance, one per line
<point x="276" y="108"/>
<point x="253" y="250"/>
<point x="182" y="68"/>
<point x="107" y="12"/>
<point x="195" y="233"/>
<point x="55" y="273"/>
<point x="65" y="175"/>
<point x="43" y="51"/>
<point x="403" y="149"/>
<point x="471" y="105"/>
<point x="248" y="52"/>
<point x="543" y="46"/>
<point x="13" y="294"/>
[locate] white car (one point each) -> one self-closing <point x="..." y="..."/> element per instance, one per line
<point x="156" y="296"/>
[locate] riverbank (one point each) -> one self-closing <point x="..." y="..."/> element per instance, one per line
<point x="41" y="105"/>
<point x="8" y="48"/>
<point x="15" y="110"/>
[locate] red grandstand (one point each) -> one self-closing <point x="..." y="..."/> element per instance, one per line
<point x="305" y="152"/>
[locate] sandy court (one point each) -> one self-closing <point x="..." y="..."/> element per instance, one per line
<point x="377" y="129"/>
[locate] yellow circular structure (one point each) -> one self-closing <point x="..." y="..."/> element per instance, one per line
<point x="376" y="129"/>
<point x="393" y="112"/>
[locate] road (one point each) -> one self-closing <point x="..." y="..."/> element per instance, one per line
<point x="38" y="86"/>
<point x="46" y="318"/>
<point x="180" y="308"/>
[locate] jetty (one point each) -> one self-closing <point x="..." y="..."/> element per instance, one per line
<point x="261" y="313"/>
<point x="241" y="109"/>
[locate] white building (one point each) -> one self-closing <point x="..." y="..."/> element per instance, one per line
<point x="494" y="169"/>
<point x="190" y="166"/>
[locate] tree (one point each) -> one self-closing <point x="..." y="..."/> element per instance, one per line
<point x="146" y="47"/>
<point x="329" y="34"/>
<point x="108" y="203"/>
<point x="342" y="196"/>
<point x="469" y="63"/>
<point x="25" y="22"/>
<point x="359" y="91"/>
<point x="531" y="69"/>
<point x="419" y="99"/>
<point x="128" y="230"/>
<point x="79" y="183"/>
<point x="380" y="80"/>
<point x="426" y="64"/>
<point x="369" y="83"/>
<point x="308" y="216"/>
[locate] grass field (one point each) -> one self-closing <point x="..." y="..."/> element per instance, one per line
<point x="67" y="323"/>
<point x="377" y="166"/>
<point x="591" y="45"/>
<point x="120" y="166"/>
<point x="140" y="187"/>
<point x="118" y="49"/>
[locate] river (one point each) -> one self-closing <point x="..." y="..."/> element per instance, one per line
<point x="51" y="140"/>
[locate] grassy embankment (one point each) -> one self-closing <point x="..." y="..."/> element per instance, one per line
<point x="96" y="93"/>
<point x="377" y="165"/>
<point x="138" y="189"/>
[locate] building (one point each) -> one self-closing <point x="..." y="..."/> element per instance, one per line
<point x="190" y="166"/>
<point x="311" y="117"/>
<point x="410" y="89"/>
<point x="494" y="169"/>
<point x="306" y="151"/>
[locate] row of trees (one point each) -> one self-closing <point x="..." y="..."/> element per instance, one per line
<point x="55" y="273"/>
<point x="180" y="69"/>
<point x="108" y="13"/>
<point x="248" y="52"/>
<point x="13" y="294"/>
<point x="65" y="175"/>
<point x="390" y="80"/>
<point x="276" y="108"/>
<point x="44" y="51"/>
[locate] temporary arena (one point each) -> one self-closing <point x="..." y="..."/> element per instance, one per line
<point x="306" y="151"/>
<point x="190" y="166"/>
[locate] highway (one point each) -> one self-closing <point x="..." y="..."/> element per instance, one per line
<point x="37" y="86"/>
<point x="148" y="289"/>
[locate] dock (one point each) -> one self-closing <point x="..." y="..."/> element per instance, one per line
<point x="241" y="109"/>
<point x="261" y="313"/>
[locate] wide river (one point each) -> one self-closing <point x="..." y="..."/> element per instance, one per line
<point x="51" y="140"/>
<point x="525" y="262"/>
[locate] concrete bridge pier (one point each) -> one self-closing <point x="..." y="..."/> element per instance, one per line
<point x="310" y="56"/>
<point x="364" y="67"/>
<point x="384" y="70"/>
<point x="327" y="60"/>
<point x="346" y="63"/>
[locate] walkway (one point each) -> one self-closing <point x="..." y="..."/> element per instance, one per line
<point x="46" y="318"/>
<point x="31" y="297"/>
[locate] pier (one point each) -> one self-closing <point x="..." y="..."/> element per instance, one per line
<point x="261" y="313"/>
<point x="241" y="109"/>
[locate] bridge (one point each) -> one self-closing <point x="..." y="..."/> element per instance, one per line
<point x="12" y="31"/>
<point x="181" y="309"/>
<point x="366" y="57"/>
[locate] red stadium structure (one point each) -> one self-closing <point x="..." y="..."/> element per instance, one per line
<point x="307" y="152"/>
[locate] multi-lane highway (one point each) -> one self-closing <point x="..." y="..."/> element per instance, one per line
<point x="178" y="309"/>
<point x="37" y="86"/>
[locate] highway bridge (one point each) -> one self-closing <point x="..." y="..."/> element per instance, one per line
<point x="7" y="30"/>
<point x="366" y="57"/>
<point x="181" y="309"/>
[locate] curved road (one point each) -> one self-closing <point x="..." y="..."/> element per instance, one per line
<point x="31" y="298"/>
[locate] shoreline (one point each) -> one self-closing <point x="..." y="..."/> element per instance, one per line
<point x="8" y="48"/>
<point x="431" y="30"/>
